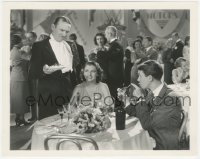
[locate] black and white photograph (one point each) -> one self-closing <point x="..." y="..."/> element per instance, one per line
<point x="101" y="78"/>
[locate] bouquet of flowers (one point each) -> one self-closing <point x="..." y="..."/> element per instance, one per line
<point x="90" y="119"/>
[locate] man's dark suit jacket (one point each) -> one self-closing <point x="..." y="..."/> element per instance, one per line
<point x="81" y="53"/>
<point x="161" y="117"/>
<point x="75" y="75"/>
<point x="115" y="67"/>
<point x="54" y="89"/>
<point x="82" y="60"/>
<point x="103" y="62"/>
<point x="177" y="50"/>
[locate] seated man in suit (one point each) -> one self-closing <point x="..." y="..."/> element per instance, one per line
<point x="160" y="110"/>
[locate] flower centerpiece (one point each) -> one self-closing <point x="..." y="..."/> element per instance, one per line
<point x="90" y="119"/>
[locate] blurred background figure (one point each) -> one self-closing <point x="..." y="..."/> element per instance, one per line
<point x="129" y="51"/>
<point x="181" y="73"/>
<point x="80" y="56"/>
<point x="150" y="52"/>
<point x="92" y="57"/>
<point x="137" y="57"/>
<point x="19" y="86"/>
<point x="186" y="49"/>
<point x="43" y="36"/>
<point x="30" y="39"/>
<point x="168" y="61"/>
<point x="101" y="51"/>
<point x="177" y="49"/>
<point x="115" y="61"/>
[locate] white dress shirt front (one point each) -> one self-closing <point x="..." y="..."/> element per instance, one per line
<point x="63" y="53"/>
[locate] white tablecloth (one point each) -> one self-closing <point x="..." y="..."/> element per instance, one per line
<point x="132" y="138"/>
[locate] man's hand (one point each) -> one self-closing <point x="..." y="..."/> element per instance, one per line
<point x="48" y="70"/>
<point x="137" y="91"/>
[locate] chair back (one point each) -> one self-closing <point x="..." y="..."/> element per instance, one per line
<point x="73" y="138"/>
<point x="182" y="134"/>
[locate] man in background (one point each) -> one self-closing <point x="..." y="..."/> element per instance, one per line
<point x="115" y="61"/>
<point x="177" y="49"/>
<point x="80" y="60"/>
<point x="150" y="52"/>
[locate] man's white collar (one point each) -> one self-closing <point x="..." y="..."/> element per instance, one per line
<point x="113" y="40"/>
<point x="52" y="38"/>
<point x="148" y="48"/>
<point x="178" y="40"/>
<point x="158" y="89"/>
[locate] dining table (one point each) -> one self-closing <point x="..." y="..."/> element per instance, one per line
<point x="133" y="137"/>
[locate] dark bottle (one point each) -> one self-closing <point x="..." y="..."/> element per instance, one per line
<point x="120" y="116"/>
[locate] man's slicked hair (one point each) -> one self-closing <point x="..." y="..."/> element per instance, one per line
<point x="113" y="30"/>
<point x="153" y="68"/>
<point x="62" y="18"/>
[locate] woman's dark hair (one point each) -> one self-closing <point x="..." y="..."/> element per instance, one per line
<point x="153" y="68"/>
<point x="187" y="38"/>
<point x="179" y="61"/>
<point x="15" y="40"/>
<point x="137" y="40"/>
<point x="102" y="35"/>
<point x="98" y="68"/>
<point x="139" y="37"/>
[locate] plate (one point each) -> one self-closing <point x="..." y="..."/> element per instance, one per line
<point x="56" y="67"/>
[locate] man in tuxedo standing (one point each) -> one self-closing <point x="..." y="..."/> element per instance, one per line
<point x="177" y="49"/>
<point x="54" y="85"/>
<point x="80" y="59"/>
<point x="150" y="52"/>
<point x="159" y="111"/>
<point x="115" y="61"/>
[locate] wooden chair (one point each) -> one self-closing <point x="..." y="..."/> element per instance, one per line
<point x="75" y="139"/>
<point x="182" y="138"/>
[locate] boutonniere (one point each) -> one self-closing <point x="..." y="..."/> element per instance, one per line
<point x="175" y="48"/>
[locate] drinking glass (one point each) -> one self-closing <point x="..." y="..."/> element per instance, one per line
<point x="187" y="84"/>
<point x="61" y="113"/>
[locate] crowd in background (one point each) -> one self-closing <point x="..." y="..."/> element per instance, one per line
<point x="174" y="54"/>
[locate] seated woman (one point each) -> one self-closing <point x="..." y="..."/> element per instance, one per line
<point x="91" y="90"/>
<point x="181" y="73"/>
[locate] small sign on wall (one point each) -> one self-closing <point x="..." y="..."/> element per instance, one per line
<point x="162" y="23"/>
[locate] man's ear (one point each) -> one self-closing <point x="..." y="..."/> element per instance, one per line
<point x="53" y="27"/>
<point x="150" y="78"/>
